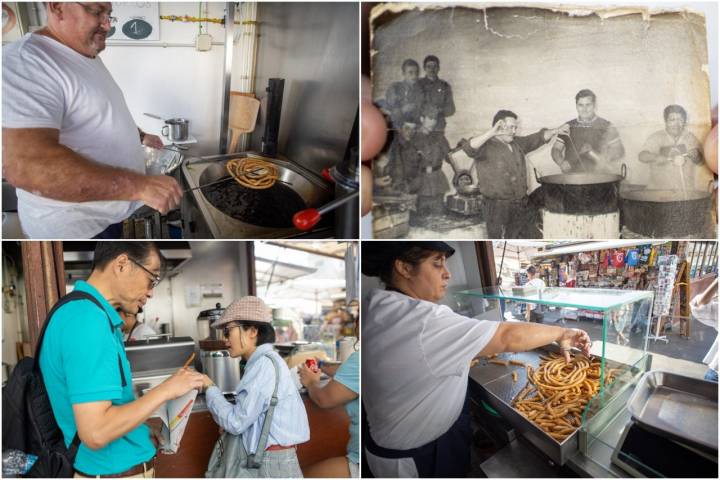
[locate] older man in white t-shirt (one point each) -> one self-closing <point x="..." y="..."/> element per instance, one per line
<point x="70" y="145"/>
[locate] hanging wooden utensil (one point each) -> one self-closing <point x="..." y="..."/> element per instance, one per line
<point x="243" y="117"/>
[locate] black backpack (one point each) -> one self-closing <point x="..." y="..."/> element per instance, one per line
<point x="28" y="423"/>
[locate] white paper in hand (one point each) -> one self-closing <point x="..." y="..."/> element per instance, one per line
<point x="174" y="415"/>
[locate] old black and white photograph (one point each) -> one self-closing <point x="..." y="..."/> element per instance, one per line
<point x="520" y="122"/>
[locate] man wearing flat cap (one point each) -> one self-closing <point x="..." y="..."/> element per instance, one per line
<point x="417" y="356"/>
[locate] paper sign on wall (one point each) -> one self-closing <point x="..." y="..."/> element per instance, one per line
<point x="193" y="296"/>
<point x="211" y="290"/>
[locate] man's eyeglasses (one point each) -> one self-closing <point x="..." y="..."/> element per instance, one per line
<point x="155" y="278"/>
<point x="100" y="14"/>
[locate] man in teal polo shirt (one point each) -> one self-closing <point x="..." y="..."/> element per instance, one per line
<point x="86" y="371"/>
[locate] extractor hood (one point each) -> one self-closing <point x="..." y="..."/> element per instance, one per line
<point x="78" y="257"/>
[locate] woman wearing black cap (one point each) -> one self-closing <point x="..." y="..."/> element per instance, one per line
<point x="416" y="360"/>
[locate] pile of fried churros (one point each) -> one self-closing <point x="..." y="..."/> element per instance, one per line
<point x="557" y="392"/>
<point x="253" y="172"/>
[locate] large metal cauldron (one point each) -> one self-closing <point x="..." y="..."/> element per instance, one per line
<point x="581" y="193"/>
<point x="666" y="213"/>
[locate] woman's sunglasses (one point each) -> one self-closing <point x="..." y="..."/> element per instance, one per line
<point x="227" y="328"/>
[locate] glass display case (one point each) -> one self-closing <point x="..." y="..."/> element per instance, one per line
<point x="618" y="323"/>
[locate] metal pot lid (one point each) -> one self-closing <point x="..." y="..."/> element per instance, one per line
<point x="665" y="196"/>
<point x="212" y="313"/>
<point x="581" y="178"/>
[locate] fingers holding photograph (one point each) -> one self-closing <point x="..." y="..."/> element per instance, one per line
<point x="518" y="122"/>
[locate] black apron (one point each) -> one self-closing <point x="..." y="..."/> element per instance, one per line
<point x="446" y="456"/>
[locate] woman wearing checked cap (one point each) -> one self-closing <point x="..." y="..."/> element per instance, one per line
<point x="268" y="419"/>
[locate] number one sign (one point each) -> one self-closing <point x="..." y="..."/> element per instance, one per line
<point x="136" y="21"/>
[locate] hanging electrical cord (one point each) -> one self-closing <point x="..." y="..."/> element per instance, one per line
<point x="191" y="19"/>
<point x="207" y="29"/>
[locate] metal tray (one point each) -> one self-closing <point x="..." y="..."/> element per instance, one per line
<point x="684" y="408"/>
<point x="499" y="391"/>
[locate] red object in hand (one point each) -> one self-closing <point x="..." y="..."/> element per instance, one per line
<point x="306" y="219"/>
<point x="312" y="365"/>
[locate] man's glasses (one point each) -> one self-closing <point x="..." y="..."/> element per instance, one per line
<point x="101" y="15"/>
<point x="155" y="278"/>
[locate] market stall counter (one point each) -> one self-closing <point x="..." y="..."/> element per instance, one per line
<point x="154" y="360"/>
<point x="329" y="434"/>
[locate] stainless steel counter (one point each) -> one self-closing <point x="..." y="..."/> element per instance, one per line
<point x="517" y="459"/>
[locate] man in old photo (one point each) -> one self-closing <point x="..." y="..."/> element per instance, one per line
<point x="404" y="99"/>
<point x="501" y="171"/>
<point x="437" y="91"/>
<point x="593" y="143"/>
<point x="70" y="144"/>
<point x="673" y="154"/>
<point x="431" y="148"/>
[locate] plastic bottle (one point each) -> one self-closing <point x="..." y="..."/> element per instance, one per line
<point x="16" y="463"/>
<point x="328" y="341"/>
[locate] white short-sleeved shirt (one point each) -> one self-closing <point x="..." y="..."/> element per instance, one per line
<point x="140" y="332"/>
<point x="416" y="358"/>
<point x="49" y="85"/>
<point x="538" y="283"/>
